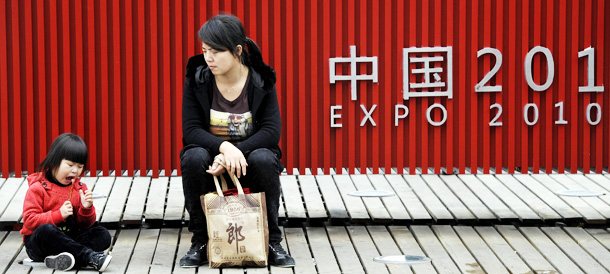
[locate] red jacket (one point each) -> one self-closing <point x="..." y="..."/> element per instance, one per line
<point x="44" y="199"/>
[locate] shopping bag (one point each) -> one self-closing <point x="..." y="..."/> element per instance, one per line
<point x="237" y="227"/>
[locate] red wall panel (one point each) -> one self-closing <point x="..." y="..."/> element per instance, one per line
<point x="112" y="72"/>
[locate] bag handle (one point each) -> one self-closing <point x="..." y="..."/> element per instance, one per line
<point x="220" y="159"/>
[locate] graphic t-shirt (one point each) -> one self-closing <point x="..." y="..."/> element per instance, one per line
<point x="231" y="120"/>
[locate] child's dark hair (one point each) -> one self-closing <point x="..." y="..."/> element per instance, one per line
<point x="225" y="32"/>
<point x="67" y="146"/>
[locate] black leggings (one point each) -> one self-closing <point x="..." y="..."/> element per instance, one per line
<point x="49" y="240"/>
<point x="263" y="172"/>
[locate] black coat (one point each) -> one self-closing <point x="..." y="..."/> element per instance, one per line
<point x="196" y="103"/>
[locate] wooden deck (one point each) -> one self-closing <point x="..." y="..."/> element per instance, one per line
<point x="464" y="223"/>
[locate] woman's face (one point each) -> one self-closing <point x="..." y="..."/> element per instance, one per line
<point x="219" y="62"/>
<point x="67" y="171"/>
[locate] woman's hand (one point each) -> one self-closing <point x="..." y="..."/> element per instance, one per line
<point x="216" y="169"/>
<point x="86" y="198"/>
<point x="234" y="159"/>
<point x="66" y="209"/>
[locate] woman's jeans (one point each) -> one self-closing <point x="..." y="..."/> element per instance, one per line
<point x="48" y="240"/>
<point x="262" y="172"/>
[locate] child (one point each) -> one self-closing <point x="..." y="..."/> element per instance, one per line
<point x="58" y="212"/>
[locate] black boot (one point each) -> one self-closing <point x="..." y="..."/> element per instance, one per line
<point x="279" y="257"/>
<point x="196" y="256"/>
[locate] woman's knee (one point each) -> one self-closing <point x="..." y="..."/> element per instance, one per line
<point x="196" y="158"/>
<point x="262" y="158"/>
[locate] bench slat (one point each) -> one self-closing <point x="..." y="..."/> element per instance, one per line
<point x="292" y="197"/>
<point x="136" y="201"/>
<point x="312" y="197"/>
<point x="332" y="198"/>
<point x="155" y="203"/>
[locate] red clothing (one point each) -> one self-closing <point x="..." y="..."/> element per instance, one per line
<point x="44" y="199"/>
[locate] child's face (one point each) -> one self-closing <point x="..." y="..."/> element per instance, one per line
<point x="67" y="171"/>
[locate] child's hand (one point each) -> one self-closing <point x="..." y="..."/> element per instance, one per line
<point x="66" y="209"/>
<point x="86" y="199"/>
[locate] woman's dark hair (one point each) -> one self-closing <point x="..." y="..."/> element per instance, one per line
<point x="225" y="32"/>
<point x="66" y="146"/>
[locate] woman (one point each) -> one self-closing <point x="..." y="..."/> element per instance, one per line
<point x="230" y="107"/>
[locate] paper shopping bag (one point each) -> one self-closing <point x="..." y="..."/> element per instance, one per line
<point x="237" y="227"/>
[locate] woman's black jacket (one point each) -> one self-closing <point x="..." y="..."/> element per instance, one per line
<point x="196" y="102"/>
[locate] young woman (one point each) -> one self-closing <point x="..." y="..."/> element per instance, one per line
<point x="58" y="212"/>
<point x="230" y="107"/>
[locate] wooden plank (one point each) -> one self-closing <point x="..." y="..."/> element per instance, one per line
<point x="281" y="209"/>
<point x="592" y="246"/>
<point x="387" y="247"/>
<point x="16" y="267"/>
<point x="116" y="201"/>
<point x="601" y="180"/>
<point x="525" y="250"/>
<point x="414" y="206"/>
<point x="9" y="249"/>
<point x="163" y="260"/>
<point x="578" y="255"/>
<point x="346" y="255"/>
<point x="322" y="250"/>
<point x="312" y="197"/>
<point x="435" y="207"/>
<point x="502" y="249"/>
<point x="451" y="202"/>
<point x="601" y="235"/>
<point x="232" y="271"/>
<point x="155" y="203"/>
<point x="536" y="204"/>
<point x="579" y="182"/>
<point x="595" y="183"/>
<point x="183" y="248"/>
<point x="255" y="270"/>
<point x="89" y="181"/>
<point x="550" y="251"/>
<point x="479" y="249"/>
<point x="102" y="187"/>
<point x="472" y="203"/>
<point x="373" y="205"/>
<point x="2" y="180"/>
<point x="589" y="214"/>
<point x="122" y="250"/>
<point x="8" y="191"/>
<point x="365" y="247"/>
<point x="393" y="204"/>
<point x="409" y="246"/>
<point x="355" y="206"/>
<point x="523" y="211"/>
<point x="549" y="198"/>
<point x="435" y="250"/>
<point x="456" y="249"/>
<point x="14" y="209"/>
<point x="497" y="207"/>
<point x="175" y="200"/>
<point x="136" y="201"/>
<point x="144" y="251"/>
<point x="332" y="197"/>
<point x="292" y="197"/>
<point x="295" y="239"/>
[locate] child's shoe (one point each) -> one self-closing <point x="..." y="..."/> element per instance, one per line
<point x="63" y="261"/>
<point x="99" y="261"/>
